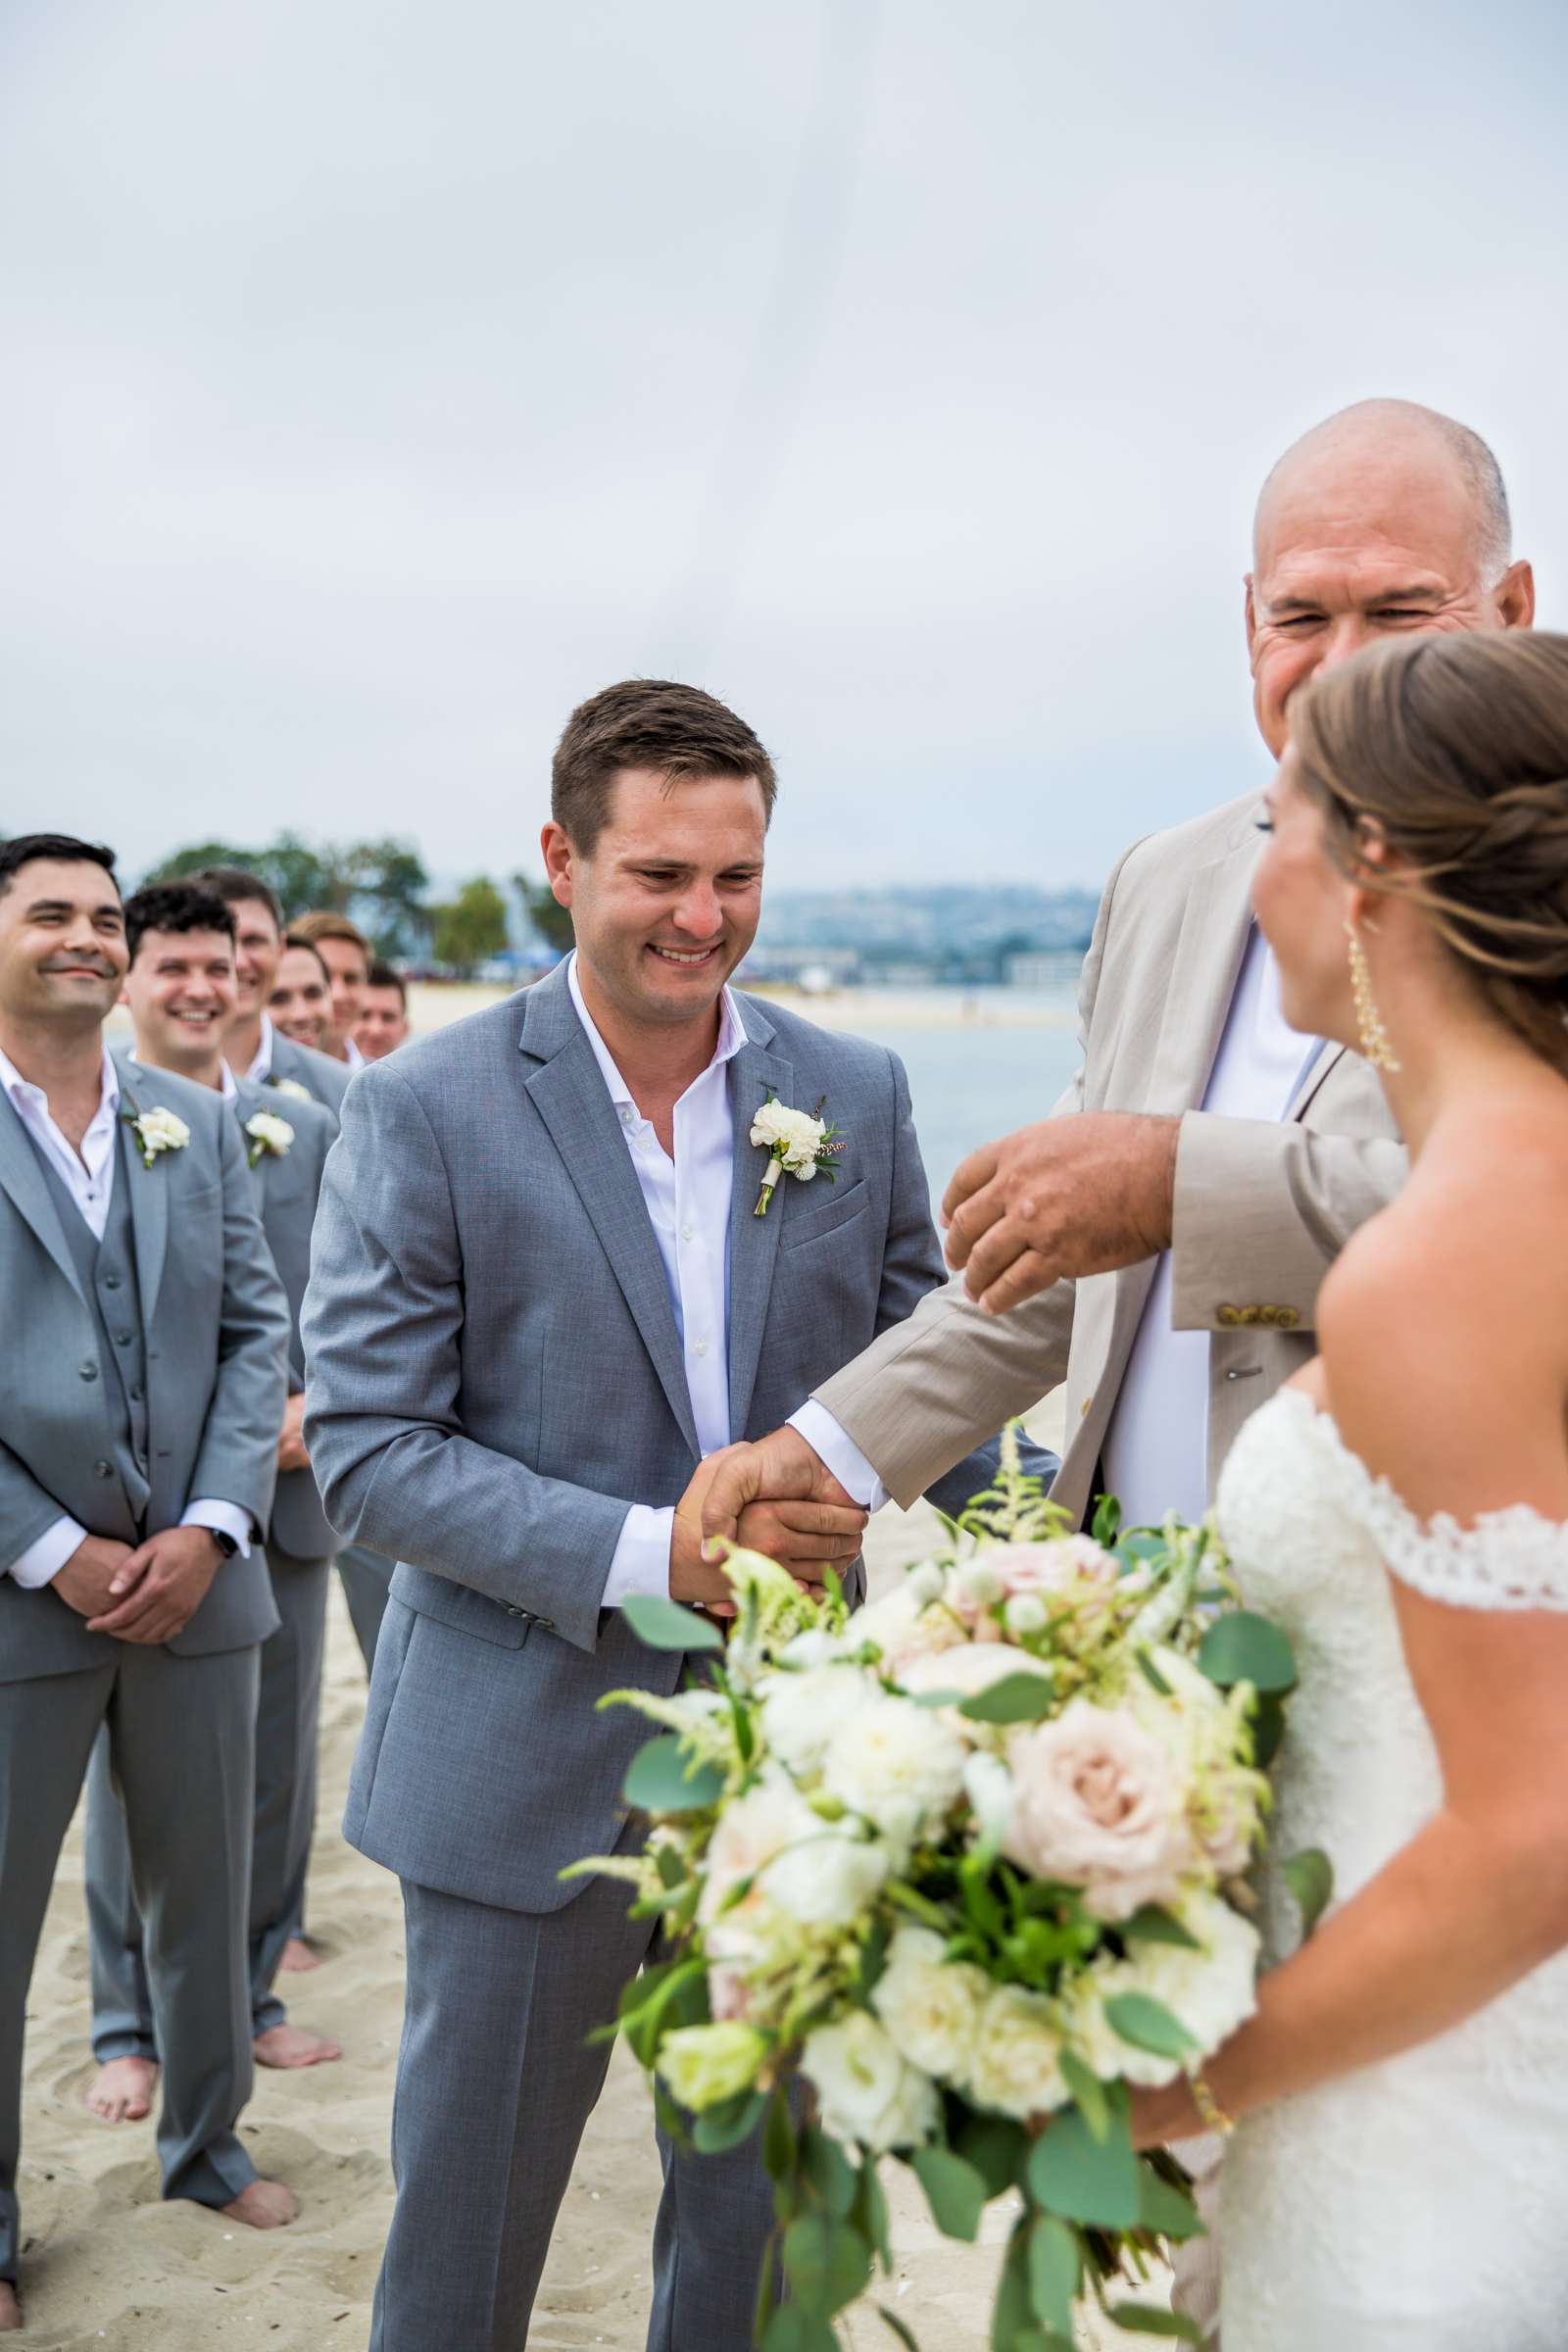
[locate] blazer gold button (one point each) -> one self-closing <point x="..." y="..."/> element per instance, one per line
<point x="1285" y="1318"/>
<point x="1228" y="1317"/>
<point x="1082" y="1410"/>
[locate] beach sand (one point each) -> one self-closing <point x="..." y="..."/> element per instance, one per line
<point x="108" y="2263"/>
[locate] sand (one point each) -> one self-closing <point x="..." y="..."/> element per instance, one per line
<point x="109" y="2263"/>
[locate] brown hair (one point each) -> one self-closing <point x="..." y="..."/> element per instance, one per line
<point x="298" y="939"/>
<point x="646" y="722"/>
<point x="323" y="923"/>
<point x="1455" y="748"/>
<point x="387" y="975"/>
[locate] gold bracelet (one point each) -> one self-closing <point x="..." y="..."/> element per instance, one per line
<point x="1209" y="2107"/>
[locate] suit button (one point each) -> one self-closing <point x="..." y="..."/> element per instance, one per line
<point x="87" y="1371"/>
<point x="1285" y="1319"/>
<point x="103" y="1470"/>
<point x="1228" y="1317"/>
<point x="111" y="1281"/>
<point x="1083" y="1412"/>
<point x="546" y="1625"/>
<point x="135" y="1395"/>
<point x="121" y="1339"/>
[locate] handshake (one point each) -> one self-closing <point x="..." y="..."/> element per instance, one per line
<point x="775" y="1497"/>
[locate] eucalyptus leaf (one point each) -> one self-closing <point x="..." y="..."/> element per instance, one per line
<point x="869" y="2215"/>
<point x="1268" y="1729"/>
<point x="1309" y="1876"/>
<point x="663" y="1624"/>
<point x="954" y="2191"/>
<point x="828" y="2170"/>
<point x="891" y="2321"/>
<point x="728" y="2124"/>
<point x="1154" y="1924"/>
<point x="1012" y="2313"/>
<point x="793" y="2329"/>
<point x="663" y="1778"/>
<point x="1053" y="2272"/>
<point x="1107" y="1523"/>
<point x="1149" y="2025"/>
<point x="1167" y="2209"/>
<point x="1148" y="2319"/>
<point x="995" y="2147"/>
<point x="1083" y="2180"/>
<point x="1016" y="1699"/>
<point x="1089" y="2094"/>
<point x="826" y="2262"/>
<point x="779" y="2138"/>
<point x="1151" y="1673"/>
<point x="1243" y="1647"/>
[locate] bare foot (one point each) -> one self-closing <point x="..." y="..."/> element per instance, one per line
<point x="122" y="2092"/>
<point x="10" y="2309"/>
<point x="265" y="2205"/>
<point x="294" y="2045"/>
<point x="297" y="1958"/>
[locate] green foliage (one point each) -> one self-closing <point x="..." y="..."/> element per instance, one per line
<point x="1149" y="2025"/>
<point x="1154" y="1924"/>
<point x="1164" y="2208"/>
<point x="1014" y="1698"/>
<point x="663" y="1778"/>
<point x="472" y="928"/>
<point x="663" y="1624"/>
<point x="378" y="884"/>
<point x="1243" y="1647"/>
<point x="727" y="2124"/>
<point x="995" y="2148"/>
<point x="954" y="2191"/>
<point x="829" y="2171"/>
<point x="1148" y="2319"/>
<point x="826" y="2262"/>
<point x="1053" y="2271"/>
<point x="1086" y="2180"/>
<point x="549" y="918"/>
<point x="1089" y="2094"/>
<point x="1309" y="1876"/>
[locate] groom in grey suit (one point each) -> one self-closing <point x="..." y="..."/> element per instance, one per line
<point x="136" y="1469"/>
<point x="542" y="1300"/>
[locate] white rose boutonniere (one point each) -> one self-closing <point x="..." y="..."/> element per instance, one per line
<point x="291" y="1085"/>
<point x="157" y="1130"/>
<point x="798" y="1143"/>
<point x="270" y="1135"/>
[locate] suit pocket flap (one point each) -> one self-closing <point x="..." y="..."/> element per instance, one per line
<point x="460" y="1606"/>
<point x="841" y="1210"/>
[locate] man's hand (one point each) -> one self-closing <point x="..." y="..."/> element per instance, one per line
<point x="86" y="1582"/>
<point x="1081" y="1194"/>
<point x="291" y="1454"/>
<point x="780" y="1489"/>
<point x="694" y="1579"/>
<point x="164" y="1582"/>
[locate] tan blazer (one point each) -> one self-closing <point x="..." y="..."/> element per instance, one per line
<point x="1263" y="1205"/>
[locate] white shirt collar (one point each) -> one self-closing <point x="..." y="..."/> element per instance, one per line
<point x="261" y="1068"/>
<point x="21" y="1089"/>
<point x="225" y="1082"/>
<point x="731" y="1036"/>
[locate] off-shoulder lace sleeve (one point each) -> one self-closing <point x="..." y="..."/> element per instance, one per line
<point x="1512" y="1559"/>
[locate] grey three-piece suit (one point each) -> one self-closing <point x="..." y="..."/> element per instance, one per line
<point x="146" y="1370"/>
<point x="495" y="1374"/>
<point x="300" y="1548"/>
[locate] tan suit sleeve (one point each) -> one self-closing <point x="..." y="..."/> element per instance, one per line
<point x="1262" y="1209"/>
<point x="938" y="1385"/>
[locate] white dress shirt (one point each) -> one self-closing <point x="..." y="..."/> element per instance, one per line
<point x="688" y="1204"/>
<point x="261" y="1068"/>
<point x="352" y="1054"/>
<point x="1155" y="1453"/>
<point x="89" y="1178"/>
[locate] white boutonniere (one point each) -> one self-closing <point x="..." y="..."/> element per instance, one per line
<point x="798" y="1143"/>
<point x="292" y="1086"/>
<point x="270" y="1135"/>
<point x="155" y="1130"/>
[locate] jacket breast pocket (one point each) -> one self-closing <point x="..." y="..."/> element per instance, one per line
<point x="841" y="1210"/>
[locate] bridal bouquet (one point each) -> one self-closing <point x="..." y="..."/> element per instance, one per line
<point x="969" y="1863"/>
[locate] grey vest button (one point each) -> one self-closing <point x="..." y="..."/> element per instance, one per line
<point x="121" y="1339"/>
<point x="103" y="1470"/>
<point x="111" y="1281"/>
<point x="88" y="1371"/>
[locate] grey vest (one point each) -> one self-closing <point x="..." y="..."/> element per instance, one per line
<point x="107" y="1270"/>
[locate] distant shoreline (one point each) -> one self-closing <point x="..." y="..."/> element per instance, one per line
<point x="432" y="1004"/>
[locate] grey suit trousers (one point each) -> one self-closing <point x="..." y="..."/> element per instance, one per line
<point x="365" y="1576"/>
<point x="287" y="1715"/>
<point x="495" y="2080"/>
<point x="180" y="1749"/>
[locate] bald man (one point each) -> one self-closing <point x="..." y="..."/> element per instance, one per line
<point x="1161" y="1250"/>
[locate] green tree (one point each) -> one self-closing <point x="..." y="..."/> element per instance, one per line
<point x="380" y="884"/>
<point x="544" y="912"/>
<point x="472" y="928"/>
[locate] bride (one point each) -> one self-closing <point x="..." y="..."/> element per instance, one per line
<point x="1399" y="2176"/>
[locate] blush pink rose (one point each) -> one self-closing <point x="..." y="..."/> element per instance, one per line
<point x="1100" y="1804"/>
<point x="1051" y="1567"/>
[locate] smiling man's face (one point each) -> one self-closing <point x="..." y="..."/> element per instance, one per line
<point x="63" y="951"/>
<point x="181" y="991"/>
<point x="667" y="903"/>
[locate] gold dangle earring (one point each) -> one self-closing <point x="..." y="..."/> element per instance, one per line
<point x="1375" y="1045"/>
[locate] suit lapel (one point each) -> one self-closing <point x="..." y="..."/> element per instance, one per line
<point x="24" y="1179"/>
<point x="1326" y="1060"/>
<point x="1202" y="979"/>
<point x="754" y="1073"/>
<point x="570" y="1095"/>
<point x="149" y="1192"/>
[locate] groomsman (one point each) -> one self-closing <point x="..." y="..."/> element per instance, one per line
<point x="255" y="1047"/>
<point x="383" y="1024"/>
<point x="346" y="953"/>
<point x="140" y="1428"/>
<point x="181" y="987"/>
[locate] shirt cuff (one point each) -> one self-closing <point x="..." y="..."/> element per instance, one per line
<point x="44" y="1558"/>
<point x="226" y="1518"/>
<point x="841" y="1455"/>
<point x="642" y="1555"/>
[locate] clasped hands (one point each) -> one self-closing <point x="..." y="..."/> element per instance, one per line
<point x="774" y="1497"/>
<point x="147" y="1593"/>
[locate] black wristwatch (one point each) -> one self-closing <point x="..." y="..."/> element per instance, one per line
<point x="225" y="1542"/>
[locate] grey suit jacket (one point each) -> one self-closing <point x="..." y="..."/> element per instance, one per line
<point x="287" y="1189"/>
<point x="324" y="1079"/>
<point x="494" y="1375"/>
<point x="215" y="1326"/>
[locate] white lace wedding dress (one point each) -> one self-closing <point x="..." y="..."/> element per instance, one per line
<point x="1420" y="2205"/>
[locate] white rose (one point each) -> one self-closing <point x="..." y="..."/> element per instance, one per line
<point x="1210" y="1992"/>
<point x="1101" y="1805"/>
<point x="292" y="1086"/>
<point x="988" y="1785"/>
<point x="1052" y="1567"/>
<point x="705" y="2064"/>
<point x="968" y="1668"/>
<point x="270" y="1133"/>
<point x="803" y="1714"/>
<point x="1016" y="2064"/>
<point x="896" y="1764"/>
<point x="902" y="1628"/>
<point x="929" y="2005"/>
<point x="829" y="1877"/>
<point x="812" y="1872"/>
<point x="866" y="2091"/>
<point x="801" y="1135"/>
<point x="162" y="1130"/>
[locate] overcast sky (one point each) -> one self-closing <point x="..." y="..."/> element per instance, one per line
<point x="377" y="378"/>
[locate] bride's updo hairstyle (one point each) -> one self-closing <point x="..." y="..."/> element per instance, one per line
<point x="1455" y="750"/>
